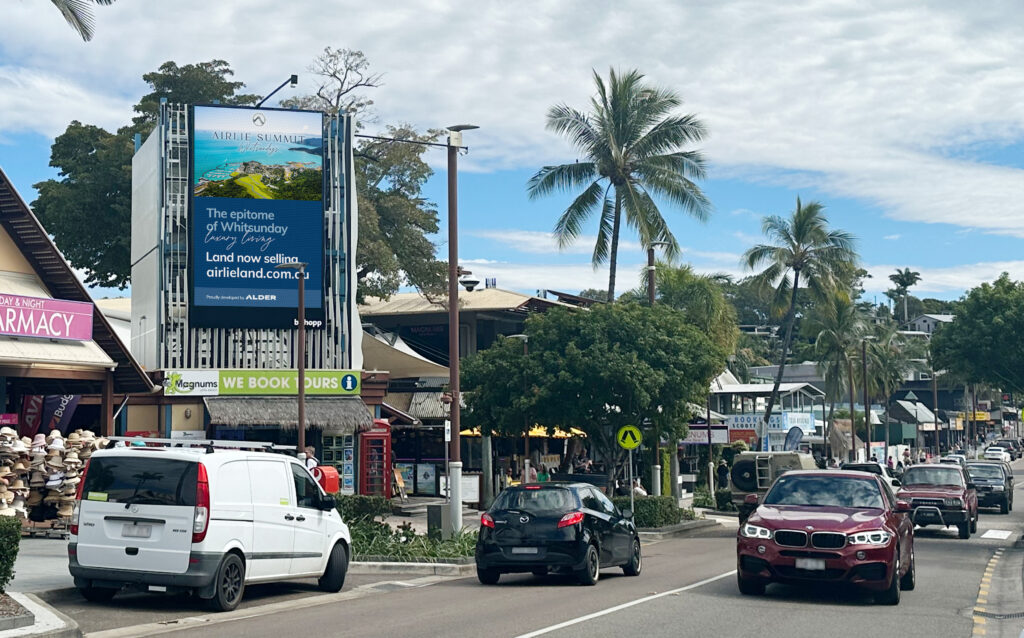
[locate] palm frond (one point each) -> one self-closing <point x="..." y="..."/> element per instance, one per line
<point x="78" y="14"/>
<point x="669" y="135"/>
<point x="564" y="177"/>
<point x="604" y="230"/>
<point x="570" y="222"/>
<point x="675" y="188"/>
<point x="575" y="125"/>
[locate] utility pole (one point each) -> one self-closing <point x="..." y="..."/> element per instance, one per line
<point x="867" y="401"/>
<point x="853" y="420"/>
<point x="656" y="442"/>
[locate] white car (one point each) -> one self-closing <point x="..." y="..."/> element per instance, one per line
<point x="201" y="520"/>
<point x="996" y="453"/>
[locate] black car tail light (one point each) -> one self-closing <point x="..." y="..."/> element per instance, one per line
<point x="571" y="519"/>
<point x="486" y="520"/>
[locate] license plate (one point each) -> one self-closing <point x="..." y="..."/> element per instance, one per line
<point x="524" y="550"/>
<point x="817" y="564"/>
<point x="137" y="531"/>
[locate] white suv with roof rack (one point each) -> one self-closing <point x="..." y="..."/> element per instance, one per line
<point x="202" y="520"/>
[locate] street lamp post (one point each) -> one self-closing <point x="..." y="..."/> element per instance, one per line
<point x="454" y="447"/>
<point x="300" y="268"/>
<point x="293" y="80"/>
<point x="656" y="439"/>
<point x="867" y="400"/>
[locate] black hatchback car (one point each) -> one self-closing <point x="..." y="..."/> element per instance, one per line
<point x="995" y="488"/>
<point x="564" y="527"/>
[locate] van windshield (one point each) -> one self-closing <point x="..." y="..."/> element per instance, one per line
<point x="141" y="479"/>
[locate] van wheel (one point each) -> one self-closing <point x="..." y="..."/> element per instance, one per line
<point x="334" y="575"/>
<point x="229" y="584"/>
<point x="97" y="594"/>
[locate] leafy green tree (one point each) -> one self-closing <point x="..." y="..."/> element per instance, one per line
<point x="985" y="343"/>
<point x="836" y="326"/>
<point x="801" y="246"/>
<point x="631" y="147"/>
<point x="395" y="220"/>
<point x="78" y="14"/>
<point x="595" y="294"/>
<point x="596" y="370"/>
<point x="904" y="279"/>
<point x="88" y="208"/>
<point x="888" y="366"/>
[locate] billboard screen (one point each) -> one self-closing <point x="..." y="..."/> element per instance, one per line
<point x="257" y="202"/>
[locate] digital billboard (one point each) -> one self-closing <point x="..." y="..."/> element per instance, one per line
<point x="257" y="202"/>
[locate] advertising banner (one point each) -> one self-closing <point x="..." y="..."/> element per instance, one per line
<point x="776" y="422"/>
<point x="45" y="413"/>
<point x="45" y="318"/>
<point x="257" y="203"/>
<point x="211" y="383"/>
<point x="698" y="435"/>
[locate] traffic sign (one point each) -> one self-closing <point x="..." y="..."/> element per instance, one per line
<point x="910" y="396"/>
<point x="629" y="437"/>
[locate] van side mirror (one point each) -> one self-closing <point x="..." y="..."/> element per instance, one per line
<point x="627" y="513"/>
<point x="750" y="499"/>
<point x="327" y="502"/>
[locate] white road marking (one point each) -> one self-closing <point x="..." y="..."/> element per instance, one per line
<point x="632" y="603"/>
<point x="998" y="534"/>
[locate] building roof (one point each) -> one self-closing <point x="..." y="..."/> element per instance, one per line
<point x="59" y="279"/>
<point x="413" y="303"/>
<point x="765" y="389"/>
<point x="942" y="318"/>
<point x="401" y="361"/>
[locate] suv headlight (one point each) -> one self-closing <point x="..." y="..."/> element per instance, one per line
<point x="953" y="502"/>
<point x="997" y="488"/>
<point x="753" y="531"/>
<point x="872" y="537"/>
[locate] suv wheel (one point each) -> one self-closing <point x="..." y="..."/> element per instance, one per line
<point x="334" y="574"/>
<point x="229" y="584"/>
<point x="749" y="586"/>
<point x="591" y="567"/>
<point x="974" y="523"/>
<point x="1004" y="507"/>
<point x="909" y="580"/>
<point x="965" y="530"/>
<point x="891" y="596"/>
<point x="487" y="576"/>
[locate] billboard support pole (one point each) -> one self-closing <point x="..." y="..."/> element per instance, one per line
<point x="300" y="268"/>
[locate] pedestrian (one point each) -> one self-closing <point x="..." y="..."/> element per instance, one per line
<point x="832" y="463"/>
<point x="638" y="489"/>
<point x="906" y="458"/>
<point x="874" y="459"/>
<point x="531" y="474"/>
<point x="922" y="458"/>
<point x="544" y="475"/>
<point x="888" y="463"/>
<point x="723" y="475"/>
<point x="311" y="460"/>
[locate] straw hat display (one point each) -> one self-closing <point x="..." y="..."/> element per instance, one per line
<point x="43" y="472"/>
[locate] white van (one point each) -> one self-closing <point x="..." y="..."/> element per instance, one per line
<point x="170" y="519"/>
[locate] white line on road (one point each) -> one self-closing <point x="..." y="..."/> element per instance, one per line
<point x="1000" y="534"/>
<point x="632" y="603"/>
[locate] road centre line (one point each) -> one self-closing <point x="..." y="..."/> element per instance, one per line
<point x="632" y="603"/>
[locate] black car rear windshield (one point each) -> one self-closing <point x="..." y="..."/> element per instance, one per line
<point x="864" y="467"/>
<point x="537" y="501"/>
<point x="141" y="479"/>
<point x="985" y="471"/>
<point x="825" y="491"/>
<point x="920" y="475"/>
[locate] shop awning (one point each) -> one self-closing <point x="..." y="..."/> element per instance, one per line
<point x="912" y="411"/>
<point x="334" y="415"/>
<point x="398" y="359"/>
<point x="536" y="432"/>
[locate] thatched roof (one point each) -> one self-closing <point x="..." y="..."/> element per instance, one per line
<point x="338" y="415"/>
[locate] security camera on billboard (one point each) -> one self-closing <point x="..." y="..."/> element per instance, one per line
<point x="257" y="203"/>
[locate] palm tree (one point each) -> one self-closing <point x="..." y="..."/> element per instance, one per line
<point x="836" y="326"/>
<point x="888" y="365"/>
<point x="631" y="147"/>
<point x="802" y="246"/>
<point x="78" y="13"/>
<point x="904" y="279"/>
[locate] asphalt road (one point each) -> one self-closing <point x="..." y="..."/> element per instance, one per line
<point x="687" y="588"/>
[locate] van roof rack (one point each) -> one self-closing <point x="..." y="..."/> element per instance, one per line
<point x="210" y="444"/>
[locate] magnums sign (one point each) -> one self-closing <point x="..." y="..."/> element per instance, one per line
<point x="240" y="382"/>
<point x="257" y="202"/>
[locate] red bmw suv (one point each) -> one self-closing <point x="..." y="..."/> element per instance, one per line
<point x="828" y="526"/>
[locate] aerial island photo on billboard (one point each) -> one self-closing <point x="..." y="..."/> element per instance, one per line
<point x="258" y="154"/>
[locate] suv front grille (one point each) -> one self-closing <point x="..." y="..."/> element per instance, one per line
<point x="828" y="540"/>
<point x="926" y="502"/>
<point x="789" y="538"/>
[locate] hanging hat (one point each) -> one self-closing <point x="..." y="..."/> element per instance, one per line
<point x="65" y="510"/>
<point x="102" y="443"/>
<point x="19" y="447"/>
<point x="8" y="432"/>
<point x="17" y="485"/>
<point x="71" y="457"/>
<point x="85" y="453"/>
<point x="57" y="444"/>
<point x="39" y="440"/>
<point x="71" y="480"/>
<point x="5" y="470"/>
<point x="20" y="467"/>
<point x="35" y="497"/>
<point x="73" y="439"/>
<point x="37" y="480"/>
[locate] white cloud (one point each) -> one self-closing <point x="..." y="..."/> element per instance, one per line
<point x="943" y="281"/>
<point x="540" y="242"/>
<point x="864" y="99"/>
<point x="892" y="237"/>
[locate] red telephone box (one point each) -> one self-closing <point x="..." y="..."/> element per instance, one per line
<point x="375" y="460"/>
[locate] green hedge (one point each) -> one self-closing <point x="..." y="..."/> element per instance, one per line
<point x="723" y="501"/>
<point x="356" y="508"/>
<point x="373" y="540"/>
<point x="10" y="538"/>
<point x="652" y="511"/>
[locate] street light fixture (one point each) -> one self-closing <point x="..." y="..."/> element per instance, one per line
<point x="300" y="268"/>
<point x="292" y="80"/>
<point x="455" y="454"/>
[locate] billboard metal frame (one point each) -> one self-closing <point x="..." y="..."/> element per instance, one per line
<point x="182" y="346"/>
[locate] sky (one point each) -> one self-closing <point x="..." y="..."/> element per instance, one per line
<point x="905" y="119"/>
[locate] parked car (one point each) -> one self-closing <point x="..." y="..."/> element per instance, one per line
<point x="1007" y="470"/>
<point x="202" y="521"/>
<point x="566" y="527"/>
<point x="1012" y="446"/>
<point x="941" y="494"/>
<point x="996" y="453"/>
<point x="875" y="468"/>
<point x="958" y="459"/>
<point x="828" y="526"/>
<point x="994" y="487"/>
